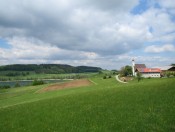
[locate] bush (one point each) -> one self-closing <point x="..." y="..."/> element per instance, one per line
<point x="168" y="74"/>
<point x="37" y="82"/>
<point x="5" y="87"/>
<point x="139" y="76"/>
<point x="104" y="77"/>
<point x="110" y="76"/>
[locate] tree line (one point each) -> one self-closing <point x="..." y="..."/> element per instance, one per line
<point x="48" y="68"/>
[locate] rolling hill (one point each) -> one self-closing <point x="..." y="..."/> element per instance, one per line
<point x="106" y="105"/>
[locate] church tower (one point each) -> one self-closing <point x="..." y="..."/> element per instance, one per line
<point x="133" y="67"/>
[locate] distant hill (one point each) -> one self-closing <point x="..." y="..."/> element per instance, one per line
<point x="49" y="68"/>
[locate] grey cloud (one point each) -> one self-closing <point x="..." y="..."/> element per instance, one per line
<point x="117" y="5"/>
<point x="64" y="24"/>
<point x="104" y="27"/>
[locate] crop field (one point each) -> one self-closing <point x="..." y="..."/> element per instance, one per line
<point x="104" y="105"/>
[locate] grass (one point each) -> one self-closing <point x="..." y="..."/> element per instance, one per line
<point x="33" y="76"/>
<point x="108" y="106"/>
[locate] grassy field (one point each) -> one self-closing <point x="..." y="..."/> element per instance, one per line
<point x="148" y="105"/>
<point x="33" y="76"/>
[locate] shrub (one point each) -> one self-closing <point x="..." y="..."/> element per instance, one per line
<point x="110" y="76"/>
<point x="168" y="74"/>
<point x="104" y="77"/>
<point x="37" y="82"/>
<point x="139" y="76"/>
<point x="5" y="87"/>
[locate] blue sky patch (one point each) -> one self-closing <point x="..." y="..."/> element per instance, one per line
<point x="4" y="44"/>
<point x="141" y="7"/>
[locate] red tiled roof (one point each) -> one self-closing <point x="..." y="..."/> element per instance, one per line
<point x="146" y="70"/>
<point x="139" y="66"/>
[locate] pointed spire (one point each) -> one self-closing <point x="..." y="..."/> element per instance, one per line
<point x="133" y="67"/>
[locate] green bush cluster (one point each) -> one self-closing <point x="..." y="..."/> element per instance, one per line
<point x="37" y="82"/>
<point x="169" y="74"/>
<point x="3" y="79"/>
<point x="126" y="71"/>
<point x="105" y="76"/>
<point x="5" y="87"/>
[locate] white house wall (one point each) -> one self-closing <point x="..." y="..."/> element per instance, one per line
<point x="154" y="75"/>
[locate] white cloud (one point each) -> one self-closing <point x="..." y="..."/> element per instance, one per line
<point x="167" y="3"/>
<point x="32" y="49"/>
<point x="158" y="49"/>
<point x="81" y="32"/>
<point x="85" y="26"/>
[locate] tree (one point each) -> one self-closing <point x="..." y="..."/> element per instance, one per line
<point x="125" y="71"/>
<point x="139" y="76"/>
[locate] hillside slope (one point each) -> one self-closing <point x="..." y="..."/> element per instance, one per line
<point x="49" y="68"/>
<point x="107" y="106"/>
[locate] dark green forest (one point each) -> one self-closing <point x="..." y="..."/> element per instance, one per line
<point x="46" y="69"/>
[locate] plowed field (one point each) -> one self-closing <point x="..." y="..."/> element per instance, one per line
<point x="71" y="84"/>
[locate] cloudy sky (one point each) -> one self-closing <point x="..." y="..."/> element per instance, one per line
<point x="104" y="33"/>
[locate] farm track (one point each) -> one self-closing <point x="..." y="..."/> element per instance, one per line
<point x="117" y="78"/>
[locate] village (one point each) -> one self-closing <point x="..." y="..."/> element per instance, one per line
<point x="140" y="71"/>
<point x="152" y="72"/>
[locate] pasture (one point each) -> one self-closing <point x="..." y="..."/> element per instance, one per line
<point x="105" y="105"/>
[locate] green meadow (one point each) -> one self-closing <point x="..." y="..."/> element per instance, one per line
<point x="104" y="106"/>
<point x="33" y="76"/>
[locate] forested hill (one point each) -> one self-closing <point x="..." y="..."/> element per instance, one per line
<point x="49" y="68"/>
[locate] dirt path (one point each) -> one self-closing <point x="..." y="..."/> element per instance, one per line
<point x="117" y="78"/>
<point x="71" y="84"/>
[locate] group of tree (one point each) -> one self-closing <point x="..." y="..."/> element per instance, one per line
<point x="47" y="69"/>
<point x="15" y="73"/>
<point x="4" y="87"/>
<point x="169" y="74"/>
<point x="126" y="71"/>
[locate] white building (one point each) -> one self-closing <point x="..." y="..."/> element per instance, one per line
<point x="145" y="72"/>
<point x="149" y="72"/>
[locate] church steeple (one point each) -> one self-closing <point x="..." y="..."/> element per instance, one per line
<point x="133" y="67"/>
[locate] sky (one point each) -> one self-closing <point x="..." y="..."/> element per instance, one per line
<point x="102" y="33"/>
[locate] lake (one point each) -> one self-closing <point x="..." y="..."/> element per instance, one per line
<point x="28" y="82"/>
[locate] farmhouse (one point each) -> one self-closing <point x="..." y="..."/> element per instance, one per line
<point x="149" y="72"/>
<point x="145" y="72"/>
<point x="168" y="69"/>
